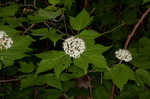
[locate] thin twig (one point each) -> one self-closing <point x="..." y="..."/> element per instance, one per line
<point x="25" y="2"/>
<point x="34" y="4"/>
<point x="85" y="3"/>
<point x="66" y="30"/>
<point x="23" y="26"/>
<point x="101" y="78"/>
<point x="28" y="29"/>
<point x="92" y="11"/>
<point x="61" y="18"/>
<point x="135" y="28"/>
<point x="36" y="93"/>
<point x="114" y="28"/>
<point x="9" y="80"/>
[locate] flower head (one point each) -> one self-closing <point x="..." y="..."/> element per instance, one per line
<point x="74" y="47"/>
<point x="5" y="41"/>
<point x="2" y="34"/>
<point x="123" y="54"/>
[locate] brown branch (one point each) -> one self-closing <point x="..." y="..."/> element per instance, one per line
<point x="85" y="3"/>
<point x="112" y="91"/>
<point x="28" y="29"/>
<point x="34" y="4"/>
<point x="129" y="39"/>
<point x="9" y="80"/>
<point x="135" y="28"/>
<point x="92" y="11"/>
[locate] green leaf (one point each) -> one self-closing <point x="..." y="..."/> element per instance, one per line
<point x="26" y="68"/>
<point x="88" y="36"/>
<point x="19" y="47"/>
<point x="89" y="56"/>
<point x="49" y="14"/>
<point x="53" y="59"/>
<point x="145" y="94"/>
<point x="50" y="93"/>
<point x="40" y="32"/>
<point x="28" y="81"/>
<point x="43" y="15"/>
<point x="121" y="74"/>
<point x="0" y="66"/>
<point x="49" y="79"/>
<point x="35" y="19"/>
<point x="9" y="10"/>
<point x="32" y="80"/>
<point x="81" y="21"/>
<point x="146" y="1"/>
<point x="143" y="76"/>
<point x="130" y="16"/>
<point x="12" y="21"/>
<point x="54" y="2"/>
<point x="52" y="35"/>
<point x="130" y="91"/>
<point x="141" y="54"/>
<point x="68" y="3"/>
<point x="75" y="71"/>
<point x="100" y="92"/>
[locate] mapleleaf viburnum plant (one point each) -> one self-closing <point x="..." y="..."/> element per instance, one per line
<point x="74" y="49"/>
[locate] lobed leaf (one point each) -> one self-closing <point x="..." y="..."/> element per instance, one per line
<point x="56" y="60"/>
<point x="121" y="74"/>
<point x="81" y="21"/>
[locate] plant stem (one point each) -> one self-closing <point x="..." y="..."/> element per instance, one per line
<point x="112" y="91"/>
<point x="9" y="80"/>
<point x="135" y="28"/>
<point x="28" y="29"/>
<point x="85" y="3"/>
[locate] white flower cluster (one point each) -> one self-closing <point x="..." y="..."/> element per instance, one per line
<point x="5" y="41"/>
<point x="74" y="47"/>
<point x="124" y="55"/>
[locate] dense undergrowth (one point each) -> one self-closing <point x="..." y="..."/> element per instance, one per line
<point x="37" y="67"/>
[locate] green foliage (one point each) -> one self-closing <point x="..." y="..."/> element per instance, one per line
<point x="52" y="35"/>
<point x="47" y="14"/>
<point x="89" y="56"/>
<point x="121" y="74"/>
<point x="141" y="55"/>
<point x="9" y="10"/>
<point x="146" y="1"/>
<point x="81" y="21"/>
<point x="0" y="67"/>
<point x="46" y="33"/>
<point x="37" y="67"/>
<point x="49" y="79"/>
<point x="68" y="3"/>
<point x="54" y="2"/>
<point x="18" y="49"/>
<point x="143" y="77"/>
<point x="130" y="15"/>
<point x="53" y="59"/>
<point x="100" y="92"/>
<point x="26" y="68"/>
<point x="44" y="15"/>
